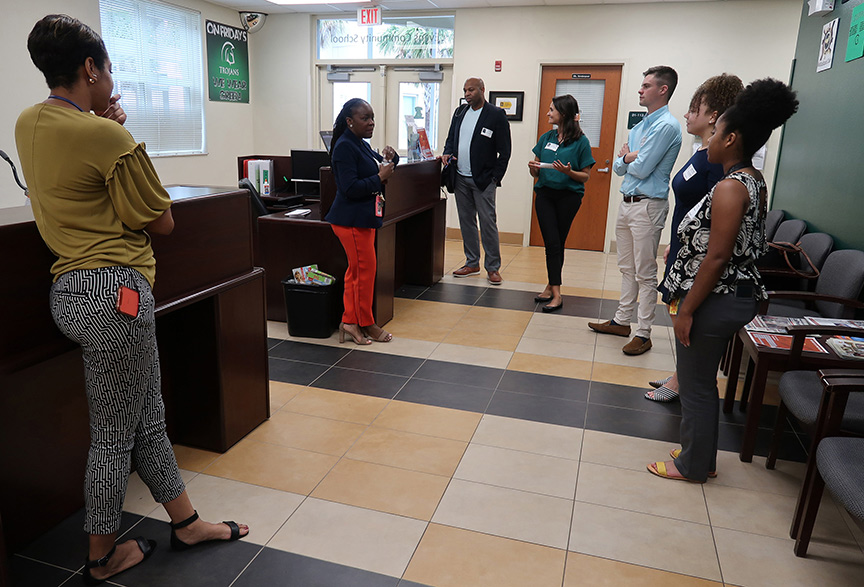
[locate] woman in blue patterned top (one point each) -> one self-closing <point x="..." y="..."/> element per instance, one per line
<point x="694" y="181"/>
<point x="562" y="164"/>
<point x="713" y="285"/>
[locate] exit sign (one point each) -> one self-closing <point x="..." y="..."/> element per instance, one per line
<point x="368" y="16"/>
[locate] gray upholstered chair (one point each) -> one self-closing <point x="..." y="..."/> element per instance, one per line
<point x="772" y="221"/>
<point x="804" y="269"/>
<point x="789" y="231"/>
<point x="834" y="461"/>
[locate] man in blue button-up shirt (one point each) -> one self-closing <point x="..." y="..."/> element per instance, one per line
<point x="645" y="161"/>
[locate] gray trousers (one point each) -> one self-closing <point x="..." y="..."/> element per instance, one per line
<point x="471" y="203"/>
<point x="717" y="318"/>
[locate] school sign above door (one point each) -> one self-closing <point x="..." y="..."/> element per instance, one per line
<point x="227" y="63"/>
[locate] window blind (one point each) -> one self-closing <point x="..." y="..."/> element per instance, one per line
<point x="156" y="54"/>
<point x="589" y="95"/>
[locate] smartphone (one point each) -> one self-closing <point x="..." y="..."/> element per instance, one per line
<point x="127" y="301"/>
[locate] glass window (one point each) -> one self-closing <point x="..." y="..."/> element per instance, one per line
<point x="344" y="91"/>
<point x="589" y="94"/>
<point x="399" y="37"/>
<point x="419" y="102"/>
<point x="156" y="53"/>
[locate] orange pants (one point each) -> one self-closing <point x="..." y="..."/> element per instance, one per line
<point x="359" y="245"/>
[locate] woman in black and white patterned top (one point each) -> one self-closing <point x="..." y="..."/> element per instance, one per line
<point x="713" y="283"/>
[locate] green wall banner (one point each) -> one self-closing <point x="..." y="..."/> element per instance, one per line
<point x="227" y="63"/>
<point x="855" y="47"/>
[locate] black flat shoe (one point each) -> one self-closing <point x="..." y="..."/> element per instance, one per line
<point x="548" y="309"/>
<point x="177" y="544"/>
<point x="147" y="547"/>
<point x="542" y="299"/>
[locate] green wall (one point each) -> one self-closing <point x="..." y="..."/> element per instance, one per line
<point x="820" y="173"/>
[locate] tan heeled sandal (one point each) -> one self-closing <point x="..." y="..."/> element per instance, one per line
<point x="358" y="338"/>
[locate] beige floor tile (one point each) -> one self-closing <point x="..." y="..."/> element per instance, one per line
<point x="451" y="557"/>
<point x="277" y="330"/>
<point x="771" y="515"/>
<point x="550" y="366"/>
<point x="640" y="491"/>
<point x="624" y="452"/>
<point x="623" y="375"/>
<point x="428" y="420"/>
<point x="785" y="479"/>
<point x="264" y="510"/>
<point x="514" y="469"/>
<point x="556" y="348"/>
<point x="416" y="452"/>
<point x="484" y="340"/>
<point x="194" y="459"/>
<point x="282" y="393"/>
<point x="278" y="467"/>
<point x="495" y="358"/>
<point x="332" y="437"/>
<point x="658" y="361"/>
<point x="382" y="488"/>
<point x="638" y="538"/>
<point x="347" y="535"/>
<point x="559" y="333"/>
<point x="585" y="570"/>
<point x="751" y="560"/>
<point x="482" y="316"/>
<point x="534" y="437"/>
<point x="530" y="517"/>
<point x="138" y="499"/>
<point x="337" y="405"/>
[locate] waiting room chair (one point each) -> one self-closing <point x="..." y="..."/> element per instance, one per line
<point x="802" y="269"/>
<point x="834" y="461"/>
<point x="789" y="231"/>
<point x="772" y="221"/>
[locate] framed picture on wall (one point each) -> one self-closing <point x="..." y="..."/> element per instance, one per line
<point x="510" y="102"/>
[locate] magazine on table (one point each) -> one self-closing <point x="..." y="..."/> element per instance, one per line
<point x="847" y="347"/>
<point x="784" y="341"/>
<point x="819" y="321"/>
<point x="775" y="324"/>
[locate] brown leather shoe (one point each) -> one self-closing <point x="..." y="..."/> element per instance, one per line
<point x="494" y="278"/>
<point x="465" y="271"/>
<point x="609" y="328"/>
<point x="637" y="346"/>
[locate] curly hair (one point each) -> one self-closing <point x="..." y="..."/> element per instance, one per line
<point x="763" y="106"/>
<point x="717" y="93"/>
<point x="568" y="107"/>
<point x="60" y="44"/>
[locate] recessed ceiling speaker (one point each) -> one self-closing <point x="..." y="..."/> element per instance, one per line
<point x="252" y="21"/>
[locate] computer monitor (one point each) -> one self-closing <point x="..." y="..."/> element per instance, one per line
<point x="304" y="170"/>
<point x="327" y="138"/>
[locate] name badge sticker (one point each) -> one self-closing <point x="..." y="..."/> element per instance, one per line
<point x="552" y="146"/>
<point x="486" y="133"/>
<point x="689" y="172"/>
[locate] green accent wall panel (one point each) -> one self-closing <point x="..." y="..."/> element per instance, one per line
<point x="820" y="173"/>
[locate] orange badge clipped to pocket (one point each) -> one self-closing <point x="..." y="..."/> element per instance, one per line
<point x="127" y="301"/>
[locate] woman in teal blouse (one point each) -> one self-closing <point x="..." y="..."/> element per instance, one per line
<point x="562" y="164"/>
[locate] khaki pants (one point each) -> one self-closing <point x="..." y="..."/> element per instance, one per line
<point x="637" y="233"/>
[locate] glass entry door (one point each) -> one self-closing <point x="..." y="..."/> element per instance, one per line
<point x="401" y="102"/>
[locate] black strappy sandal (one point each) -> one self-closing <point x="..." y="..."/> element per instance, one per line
<point x="177" y="544"/>
<point x="147" y="547"/>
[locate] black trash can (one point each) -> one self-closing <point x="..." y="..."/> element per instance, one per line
<point x="309" y="308"/>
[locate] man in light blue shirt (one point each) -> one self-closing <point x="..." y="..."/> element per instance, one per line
<point x="645" y="161"/>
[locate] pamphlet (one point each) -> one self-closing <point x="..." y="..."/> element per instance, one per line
<point x="819" y="321"/>
<point x="775" y="324"/>
<point x="847" y="348"/>
<point x="784" y="341"/>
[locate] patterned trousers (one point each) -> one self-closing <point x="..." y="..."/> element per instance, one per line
<point x="121" y="364"/>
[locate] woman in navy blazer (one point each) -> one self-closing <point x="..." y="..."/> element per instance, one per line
<point x="360" y="175"/>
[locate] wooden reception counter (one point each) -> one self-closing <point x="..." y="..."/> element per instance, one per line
<point x="211" y="330"/>
<point x="409" y="245"/>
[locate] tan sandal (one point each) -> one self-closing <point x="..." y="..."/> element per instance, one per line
<point x="383" y="335"/>
<point x="358" y="338"/>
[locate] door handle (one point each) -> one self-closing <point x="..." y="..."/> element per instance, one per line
<point x="604" y="170"/>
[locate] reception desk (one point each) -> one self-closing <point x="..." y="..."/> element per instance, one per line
<point x="409" y="245"/>
<point x="212" y="337"/>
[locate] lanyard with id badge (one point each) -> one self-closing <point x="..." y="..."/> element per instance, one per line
<point x="379" y="196"/>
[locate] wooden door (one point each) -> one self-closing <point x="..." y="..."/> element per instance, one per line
<point x="596" y="88"/>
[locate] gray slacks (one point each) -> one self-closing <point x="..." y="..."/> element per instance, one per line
<point x="717" y="318"/>
<point x="471" y="203"/>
